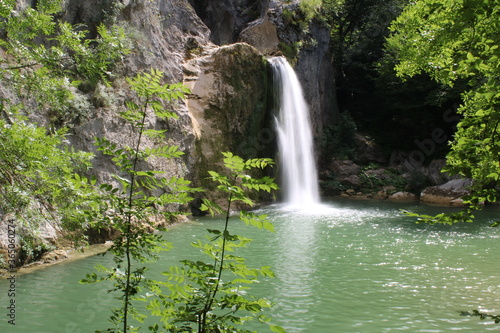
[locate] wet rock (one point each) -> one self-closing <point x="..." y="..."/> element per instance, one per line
<point x="309" y="52"/>
<point x="54" y="256"/>
<point x="448" y="194"/>
<point x="403" y="196"/>
<point x="380" y="195"/>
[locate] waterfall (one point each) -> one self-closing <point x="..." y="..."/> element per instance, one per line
<point x="296" y="153"/>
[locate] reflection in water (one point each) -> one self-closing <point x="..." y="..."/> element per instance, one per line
<point x="295" y="269"/>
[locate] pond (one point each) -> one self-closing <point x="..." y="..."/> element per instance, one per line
<point x="344" y="266"/>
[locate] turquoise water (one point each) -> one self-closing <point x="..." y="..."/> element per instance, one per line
<point x="346" y="266"/>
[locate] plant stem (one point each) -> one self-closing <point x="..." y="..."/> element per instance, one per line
<point x="210" y="301"/>
<point x="129" y="219"/>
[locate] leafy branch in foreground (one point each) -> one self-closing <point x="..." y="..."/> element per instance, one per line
<point x="132" y="206"/>
<point x="211" y="296"/>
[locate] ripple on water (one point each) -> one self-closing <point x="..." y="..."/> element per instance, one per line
<point x="342" y="267"/>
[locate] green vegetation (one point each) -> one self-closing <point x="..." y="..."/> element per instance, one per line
<point x="449" y="48"/>
<point x="46" y="59"/>
<point x="210" y="296"/>
<point x="455" y="41"/>
<point x="36" y="171"/>
<point x="130" y="206"/>
<point x="43" y="62"/>
<point x="47" y="65"/>
<point x="187" y="301"/>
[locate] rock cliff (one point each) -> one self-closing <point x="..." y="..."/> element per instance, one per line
<point x="218" y="49"/>
<point x="197" y="42"/>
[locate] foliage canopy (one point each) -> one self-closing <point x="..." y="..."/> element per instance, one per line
<point x="458" y="40"/>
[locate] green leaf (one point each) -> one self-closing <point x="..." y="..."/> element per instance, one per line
<point x="277" y="329"/>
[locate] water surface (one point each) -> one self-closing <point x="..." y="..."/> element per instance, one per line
<point x="348" y="266"/>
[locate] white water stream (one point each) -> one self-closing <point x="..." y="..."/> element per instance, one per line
<point x="296" y="153"/>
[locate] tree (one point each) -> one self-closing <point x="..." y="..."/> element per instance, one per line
<point x="201" y="296"/>
<point x="36" y="172"/>
<point x="193" y="291"/>
<point x="131" y="205"/>
<point x="45" y="60"/>
<point x="42" y="62"/>
<point x="454" y="40"/>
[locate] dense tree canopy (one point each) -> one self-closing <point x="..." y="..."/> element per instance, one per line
<point x="453" y="40"/>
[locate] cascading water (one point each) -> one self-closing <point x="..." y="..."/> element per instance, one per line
<point x="298" y="167"/>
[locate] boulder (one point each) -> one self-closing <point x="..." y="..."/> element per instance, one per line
<point x="448" y="194"/>
<point x="351" y="182"/>
<point x="54" y="256"/>
<point x="403" y="196"/>
<point x="380" y="195"/>
<point x="262" y="35"/>
<point x="380" y="174"/>
<point x="435" y="174"/>
<point x="344" y="168"/>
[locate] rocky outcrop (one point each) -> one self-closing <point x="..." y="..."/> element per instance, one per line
<point x="403" y="196"/>
<point x="261" y="34"/>
<point x="227" y="18"/>
<point x="315" y="71"/>
<point x="261" y="23"/>
<point x="344" y="168"/>
<point x="449" y="194"/>
<point x="407" y="163"/>
<point x="20" y="245"/>
<point x="307" y="45"/>
<point x="231" y="85"/>
<point x="229" y="104"/>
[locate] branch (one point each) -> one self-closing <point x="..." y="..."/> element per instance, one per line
<point x="21" y="66"/>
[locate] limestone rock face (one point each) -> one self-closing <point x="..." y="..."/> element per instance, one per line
<point x="313" y="62"/>
<point x="11" y="233"/>
<point x="315" y="71"/>
<point x="228" y="105"/>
